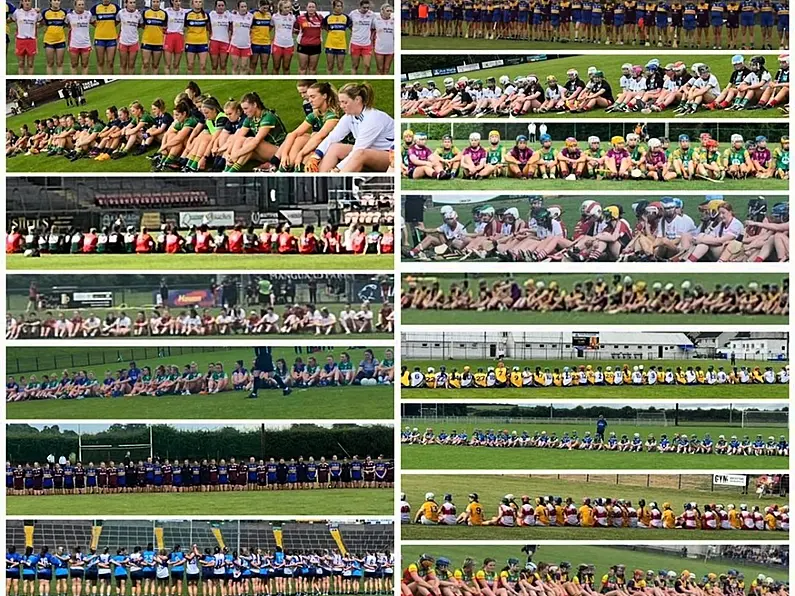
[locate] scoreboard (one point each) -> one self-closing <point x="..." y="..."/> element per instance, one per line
<point x="588" y="340"/>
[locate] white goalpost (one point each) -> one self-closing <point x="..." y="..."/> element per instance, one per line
<point x="651" y="419"/>
<point x="114" y="451"/>
<point x="756" y="418"/>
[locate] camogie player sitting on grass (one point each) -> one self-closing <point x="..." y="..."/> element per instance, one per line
<point x="260" y="134"/>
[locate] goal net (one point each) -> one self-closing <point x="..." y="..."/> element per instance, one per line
<point x="651" y="419"/>
<point x="768" y="418"/>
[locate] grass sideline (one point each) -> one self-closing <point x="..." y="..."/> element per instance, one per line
<point x="567" y="281"/>
<point x="516" y="458"/>
<point x="208" y="262"/>
<point x="600" y="556"/>
<point x="320" y="402"/>
<point x="596" y="392"/>
<point x="279" y="95"/>
<point x="360" y="501"/>
<point x="490" y="489"/>
<point x="504" y="183"/>
<point x="413" y="42"/>
<point x="611" y="66"/>
<point x="40" y="63"/>
<point x="571" y="207"/>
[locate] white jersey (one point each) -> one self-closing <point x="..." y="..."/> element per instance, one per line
<point x="637" y="85"/>
<point x="452" y="233"/>
<point x="447" y="514"/>
<point x="372" y="129"/>
<point x="80" y="29"/>
<point x="618" y="378"/>
<point x="769" y="377"/>
<point x="426" y="93"/>
<point x="405" y="512"/>
<point x="623" y="82"/>
<point x="384" y="35"/>
<point x="176" y="20"/>
<point x="672" y="229"/>
<point x="711" y="83"/>
<point x="241" y="30"/>
<point x="26" y="23"/>
<point x="670" y="84"/>
<point x="753" y="78"/>
<point x="735" y="228"/>
<point x="543" y="232"/>
<point x="128" y="35"/>
<point x="489" y="93"/>
<point x="283" y="30"/>
<point x="219" y="25"/>
<point x="553" y="93"/>
<point x="651" y="377"/>
<point x="361" y="27"/>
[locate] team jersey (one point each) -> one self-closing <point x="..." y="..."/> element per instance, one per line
<point x="266" y="119"/>
<point x="261" y="27"/>
<point x="384" y="35"/>
<point x="241" y="30"/>
<point x="54" y="25"/>
<point x="317" y="121"/>
<point x="154" y="25"/>
<point x="80" y="29"/>
<point x="219" y="25"/>
<point x="128" y="34"/>
<point x="336" y="26"/>
<point x="361" y="25"/>
<point x="283" y="30"/>
<point x="175" y="22"/>
<point x="105" y="21"/>
<point x="196" y="28"/>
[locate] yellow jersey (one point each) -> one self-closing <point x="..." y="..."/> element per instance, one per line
<point x="430" y="511"/>
<point x="516" y="379"/>
<point x="336" y="26"/>
<point x="261" y="28"/>
<point x="586" y="516"/>
<point x="54" y="25"/>
<point x="735" y="520"/>
<point x="154" y="27"/>
<point x="542" y="516"/>
<point x="196" y="32"/>
<point x="502" y="374"/>
<point x="475" y="511"/>
<point x="430" y="380"/>
<point x="405" y="381"/>
<point x="104" y="16"/>
<point x="669" y="519"/>
<point x="480" y="379"/>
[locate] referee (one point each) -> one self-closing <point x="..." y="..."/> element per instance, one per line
<point x="263" y="363"/>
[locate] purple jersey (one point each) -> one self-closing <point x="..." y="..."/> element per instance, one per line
<point x="568" y="153"/>
<point x="762" y="156"/>
<point x="618" y="154"/>
<point x="521" y="155"/>
<point x="421" y="153"/>
<point x="476" y="154"/>
<point x="656" y="158"/>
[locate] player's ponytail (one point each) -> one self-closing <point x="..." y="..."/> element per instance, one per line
<point x="330" y="93"/>
<point x="361" y="90"/>
<point x="253" y="97"/>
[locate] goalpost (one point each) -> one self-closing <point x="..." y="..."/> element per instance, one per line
<point x="114" y="451"/>
<point x="651" y="418"/>
<point x="752" y="418"/>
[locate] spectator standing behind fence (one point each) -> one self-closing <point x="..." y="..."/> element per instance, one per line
<point x="531" y="132"/>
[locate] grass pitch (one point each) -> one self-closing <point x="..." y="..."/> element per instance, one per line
<point x="567" y="281"/>
<point x="518" y="458"/>
<point x="491" y="489"/>
<point x="609" y="391"/>
<point x="611" y="66"/>
<point x="360" y="501"/>
<point x="40" y="62"/>
<point x="506" y="184"/>
<point x="353" y="402"/>
<point x="215" y="262"/>
<point x="279" y="95"/>
<point x="602" y="557"/>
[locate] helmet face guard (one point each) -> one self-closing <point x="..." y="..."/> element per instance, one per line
<point x="757" y="209"/>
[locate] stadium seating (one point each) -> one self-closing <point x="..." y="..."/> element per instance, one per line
<point x="152" y="199"/>
<point x="130" y="533"/>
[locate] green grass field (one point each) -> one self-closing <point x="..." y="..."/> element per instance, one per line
<point x="567" y="281"/>
<point x="506" y="184"/>
<point x="516" y="458"/>
<point x="354" y="402"/>
<point x="413" y="42"/>
<point x="602" y="557"/>
<point x="40" y="63"/>
<point x="612" y="391"/>
<point x="611" y="66"/>
<point x="277" y="95"/>
<point x="491" y="489"/>
<point x="215" y="262"/>
<point x="571" y="206"/>
<point x="362" y="501"/>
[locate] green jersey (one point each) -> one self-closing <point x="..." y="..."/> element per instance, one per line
<point x="345" y="365"/>
<point x="318" y="121"/>
<point x="595" y="154"/>
<point x="735" y="158"/>
<point x="268" y="119"/>
<point x="495" y="155"/>
<point x="547" y="154"/>
<point x="637" y="153"/>
<point x="146" y="119"/>
<point x="219" y="122"/>
<point x="265" y="287"/>
<point x="98" y="127"/>
<point x="190" y="122"/>
<point x="685" y="155"/>
<point x="447" y="154"/>
<point x="781" y="159"/>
